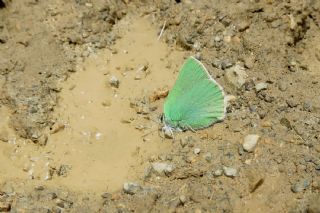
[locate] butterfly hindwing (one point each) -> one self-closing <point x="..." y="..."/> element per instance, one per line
<point x="196" y="101"/>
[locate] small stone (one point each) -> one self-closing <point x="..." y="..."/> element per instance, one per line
<point x="42" y="141"/>
<point x="250" y="142"/>
<point x="5" y="206"/>
<point x="243" y="25"/>
<point x="249" y="62"/>
<point x="197" y="151"/>
<point x="285" y="122"/>
<point x="57" y="127"/>
<point x="230" y="172"/>
<point x="4" y="135"/>
<point x="131" y="188"/>
<point x="167" y="133"/>
<point x="236" y="76"/>
<point x="114" y="82"/>
<point x="106" y="195"/>
<point x="198" y="55"/>
<point x="163" y="168"/>
<point x="39" y="188"/>
<point x="261" y="86"/>
<point x="64" y="170"/>
<point x="300" y="186"/>
<point x="292" y="103"/>
<point x="63" y="203"/>
<point x="282" y="86"/>
<point x="208" y="157"/>
<point x="276" y="23"/>
<point x="218" y="172"/>
<point x="183" y="199"/>
<point x="183" y="142"/>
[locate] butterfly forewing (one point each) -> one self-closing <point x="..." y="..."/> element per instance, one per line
<point x="196" y="101"/>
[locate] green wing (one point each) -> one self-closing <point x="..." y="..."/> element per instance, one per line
<point x="196" y="101"/>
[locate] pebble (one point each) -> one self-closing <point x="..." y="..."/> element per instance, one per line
<point x="64" y="170"/>
<point x="197" y="151"/>
<point x="300" y="186"/>
<point x="131" y="188"/>
<point x="250" y="142"/>
<point x="229" y="171"/>
<point x="4" y="135"/>
<point x="222" y="64"/>
<point x="167" y="133"/>
<point x="163" y="168"/>
<point x="261" y="86"/>
<point x="183" y="199"/>
<point x="218" y="172"/>
<point x="282" y="86"/>
<point x="208" y="157"/>
<point x="5" y="206"/>
<point x="249" y="62"/>
<point x="236" y="76"/>
<point x="243" y="25"/>
<point x="114" y="81"/>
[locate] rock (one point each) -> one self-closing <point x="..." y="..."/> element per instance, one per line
<point x="236" y="76"/>
<point x="261" y="86"/>
<point x="243" y="25"/>
<point x="208" y="157"/>
<point x="163" y="168"/>
<point x="222" y="64"/>
<point x="197" y="151"/>
<point x="158" y="94"/>
<point x="114" y="81"/>
<point x="292" y="103"/>
<point x="300" y="186"/>
<point x="5" y="206"/>
<point x="230" y="172"/>
<point x="285" y="122"/>
<point x="250" y="142"/>
<point x="282" y="86"/>
<point x="167" y="133"/>
<point x="131" y="188"/>
<point x="4" y="135"/>
<point x="39" y="188"/>
<point x="183" y="199"/>
<point x="64" y="170"/>
<point x="64" y="203"/>
<point x="57" y="127"/>
<point x="218" y="172"/>
<point x="276" y="23"/>
<point x="249" y="61"/>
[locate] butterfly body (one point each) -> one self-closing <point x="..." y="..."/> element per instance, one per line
<point x="195" y="102"/>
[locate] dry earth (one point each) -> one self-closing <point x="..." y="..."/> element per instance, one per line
<point x="82" y="85"/>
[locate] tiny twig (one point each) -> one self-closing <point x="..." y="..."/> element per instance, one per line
<point x="162" y="30"/>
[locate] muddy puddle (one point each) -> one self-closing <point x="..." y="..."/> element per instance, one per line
<point x="97" y="141"/>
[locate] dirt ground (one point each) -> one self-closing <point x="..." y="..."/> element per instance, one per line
<point x="82" y="87"/>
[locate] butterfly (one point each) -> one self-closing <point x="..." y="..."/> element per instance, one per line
<point x="196" y="101"/>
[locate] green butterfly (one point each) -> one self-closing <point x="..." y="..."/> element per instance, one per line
<point x="195" y="102"/>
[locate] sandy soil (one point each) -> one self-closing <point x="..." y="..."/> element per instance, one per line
<point x="82" y="87"/>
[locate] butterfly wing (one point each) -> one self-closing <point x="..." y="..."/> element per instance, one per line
<point x="196" y="101"/>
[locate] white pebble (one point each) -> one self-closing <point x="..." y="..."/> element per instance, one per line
<point x="229" y="171"/>
<point x="196" y="151"/>
<point x="261" y="86"/>
<point x="250" y="142"/>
